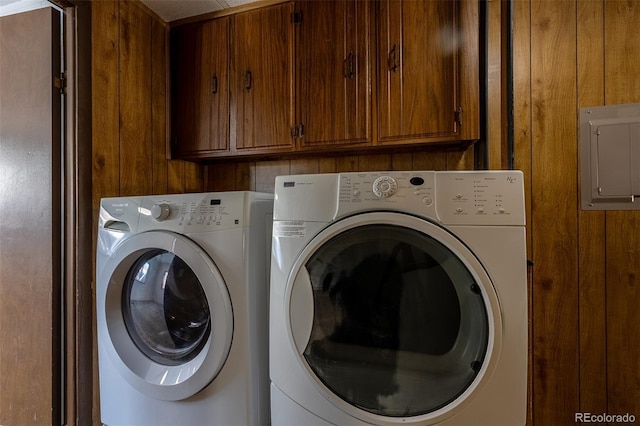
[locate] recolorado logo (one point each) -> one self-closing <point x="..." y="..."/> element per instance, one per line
<point x="604" y="418"/>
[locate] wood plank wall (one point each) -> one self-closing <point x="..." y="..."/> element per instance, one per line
<point x="129" y="113"/>
<point x="586" y="342"/>
<point x="260" y="175"/>
<point x="130" y="106"/>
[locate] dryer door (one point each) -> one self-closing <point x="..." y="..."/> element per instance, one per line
<point x="167" y="313"/>
<point x="393" y="317"/>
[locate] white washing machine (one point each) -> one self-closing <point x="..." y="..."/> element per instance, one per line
<point x="182" y="309"/>
<point x="399" y="298"/>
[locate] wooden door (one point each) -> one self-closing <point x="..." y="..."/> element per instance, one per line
<point x="417" y="69"/>
<point x="200" y="87"/>
<point x="333" y="99"/>
<point x="30" y="219"/>
<point x="262" y="79"/>
<point x="213" y="114"/>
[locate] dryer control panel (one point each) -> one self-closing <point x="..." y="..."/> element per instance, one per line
<point x="481" y="198"/>
<point x="454" y="198"/>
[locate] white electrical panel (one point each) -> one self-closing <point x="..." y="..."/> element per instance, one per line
<point x="610" y="157"/>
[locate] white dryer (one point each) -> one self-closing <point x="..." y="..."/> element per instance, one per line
<point x="182" y="309"/>
<point x="399" y="298"/>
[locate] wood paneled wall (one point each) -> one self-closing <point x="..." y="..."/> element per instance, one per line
<point x="586" y="272"/>
<point x="130" y="106"/>
<point x="260" y="175"/>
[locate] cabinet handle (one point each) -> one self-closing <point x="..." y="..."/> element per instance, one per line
<point x="349" y="66"/>
<point x="214" y="84"/>
<point x="393" y="58"/>
<point x="247" y="80"/>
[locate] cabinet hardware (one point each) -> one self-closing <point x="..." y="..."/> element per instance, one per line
<point x="458" y="116"/>
<point x="247" y="80"/>
<point x="214" y="84"/>
<point x="297" y="17"/>
<point x="393" y="58"/>
<point x="349" y="66"/>
<point x="297" y="131"/>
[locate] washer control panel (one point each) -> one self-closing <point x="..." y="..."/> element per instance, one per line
<point x="193" y="213"/>
<point x="452" y="197"/>
<point x="182" y="213"/>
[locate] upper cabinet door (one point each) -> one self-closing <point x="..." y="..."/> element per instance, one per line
<point x="200" y="87"/>
<point x="333" y="97"/>
<point x="262" y="79"/>
<point x="214" y="84"/>
<point x="418" y="54"/>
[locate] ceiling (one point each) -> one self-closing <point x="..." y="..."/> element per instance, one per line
<point x="10" y="7"/>
<point x="172" y="10"/>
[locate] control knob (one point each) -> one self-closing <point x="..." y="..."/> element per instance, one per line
<point x="160" y="211"/>
<point x="384" y="186"/>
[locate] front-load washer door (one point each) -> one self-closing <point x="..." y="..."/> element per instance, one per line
<point x="393" y="318"/>
<point x="167" y="313"/>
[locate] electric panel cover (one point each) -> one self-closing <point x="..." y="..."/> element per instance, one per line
<point x="610" y="157"/>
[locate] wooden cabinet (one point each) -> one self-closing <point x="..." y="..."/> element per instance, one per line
<point x="232" y="84"/>
<point x="200" y="88"/>
<point x="419" y="46"/>
<point x="333" y="100"/>
<point x="326" y="75"/>
<point x="262" y="80"/>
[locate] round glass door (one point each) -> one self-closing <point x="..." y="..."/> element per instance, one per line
<point x="400" y="327"/>
<point x="167" y="312"/>
<point x="165" y="308"/>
